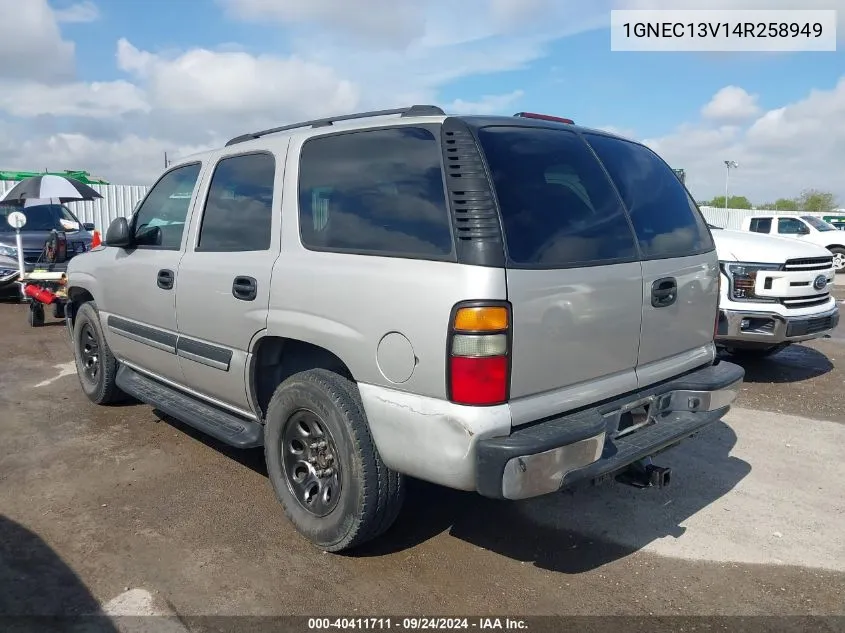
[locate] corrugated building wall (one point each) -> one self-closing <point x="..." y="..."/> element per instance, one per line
<point x="117" y="200"/>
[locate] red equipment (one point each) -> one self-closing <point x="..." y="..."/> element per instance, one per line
<point x="42" y="295"/>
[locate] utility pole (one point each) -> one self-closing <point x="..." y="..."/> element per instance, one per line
<point x="728" y="165"/>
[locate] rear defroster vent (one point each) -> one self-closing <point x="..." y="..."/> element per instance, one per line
<point x="478" y="233"/>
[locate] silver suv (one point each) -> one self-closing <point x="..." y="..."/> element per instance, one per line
<point x="506" y="305"/>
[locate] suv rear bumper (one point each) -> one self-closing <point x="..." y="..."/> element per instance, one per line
<point x="749" y="326"/>
<point x="559" y="452"/>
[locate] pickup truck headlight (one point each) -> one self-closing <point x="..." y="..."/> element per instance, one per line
<point x="742" y="279"/>
<point x="8" y="251"/>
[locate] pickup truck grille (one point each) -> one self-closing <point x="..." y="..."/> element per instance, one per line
<point x="809" y="263"/>
<point x="806" y="302"/>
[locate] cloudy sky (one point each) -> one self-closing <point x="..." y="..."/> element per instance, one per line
<point x="110" y="85"/>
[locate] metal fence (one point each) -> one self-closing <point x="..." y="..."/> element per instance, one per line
<point x="117" y="201"/>
<point x="732" y="218"/>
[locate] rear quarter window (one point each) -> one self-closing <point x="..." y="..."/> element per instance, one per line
<point x="375" y="192"/>
<point x="761" y="225"/>
<point x="665" y="218"/>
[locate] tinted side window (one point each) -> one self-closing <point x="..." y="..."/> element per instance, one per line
<point x="665" y="218"/>
<point x="239" y="208"/>
<point x="376" y="191"/>
<point x="790" y="226"/>
<point x="761" y="225"/>
<point x="160" y="219"/>
<point x="558" y="207"/>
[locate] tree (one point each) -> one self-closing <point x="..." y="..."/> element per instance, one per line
<point x="781" y="204"/>
<point x="734" y="202"/>
<point x="816" y="201"/>
<point x="786" y="204"/>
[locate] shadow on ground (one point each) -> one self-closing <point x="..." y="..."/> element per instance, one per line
<point x="38" y="590"/>
<point x="575" y="532"/>
<point x="796" y="363"/>
<point x="570" y="532"/>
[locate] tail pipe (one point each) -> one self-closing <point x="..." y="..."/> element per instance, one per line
<point x="645" y="474"/>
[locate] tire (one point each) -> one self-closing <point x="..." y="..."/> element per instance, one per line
<point x="90" y="351"/>
<point x="35" y="318"/>
<point x="838" y="256"/>
<point x="756" y="352"/>
<point x="366" y="496"/>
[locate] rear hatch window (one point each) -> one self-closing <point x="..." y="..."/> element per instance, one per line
<point x="560" y="209"/>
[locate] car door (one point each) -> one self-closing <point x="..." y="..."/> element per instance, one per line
<point x="138" y="303"/>
<point x="679" y="263"/>
<point x="792" y="227"/>
<point x="224" y="277"/>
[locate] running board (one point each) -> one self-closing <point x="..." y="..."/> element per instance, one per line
<point x="222" y="425"/>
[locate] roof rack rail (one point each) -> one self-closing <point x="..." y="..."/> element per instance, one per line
<point x="414" y="110"/>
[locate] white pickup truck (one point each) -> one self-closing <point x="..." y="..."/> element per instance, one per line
<point x="807" y="228"/>
<point x="775" y="291"/>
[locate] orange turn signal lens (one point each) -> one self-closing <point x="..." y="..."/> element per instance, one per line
<point x="483" y="319"/>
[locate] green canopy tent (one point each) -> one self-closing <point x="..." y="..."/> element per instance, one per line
<point x="82" y="176"/>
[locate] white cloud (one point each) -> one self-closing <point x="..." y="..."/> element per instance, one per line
<point x="96" y="99"/>
<point x="200" y="81"/>
<point x="731" y="103"/>
<point x="142" y="158"/>
<point x="31" y="44"/>
<point x="85" y="11"/>
<point x="782" y="151"/>
<point x="488" y="104"/>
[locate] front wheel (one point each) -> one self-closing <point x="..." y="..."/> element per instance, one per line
<point x="95" y="364"/>
<point x="838" y="259"/>
<point x="323" y="464"/>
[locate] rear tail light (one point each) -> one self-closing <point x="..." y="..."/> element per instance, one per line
<point x="478" y="353"/>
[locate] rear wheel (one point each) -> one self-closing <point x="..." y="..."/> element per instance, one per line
<point x="323" y="464"/>
<point x="838" y="259"/>
<point x="95" y="364"/>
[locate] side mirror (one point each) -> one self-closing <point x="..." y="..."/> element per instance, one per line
<point x="89" y="226"/>
<point x="118" y="233"/>
<point x="804" y="230"/>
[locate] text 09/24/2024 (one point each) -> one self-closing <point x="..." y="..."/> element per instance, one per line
<point x="723" y="30"/>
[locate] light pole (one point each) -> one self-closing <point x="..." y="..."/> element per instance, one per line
<point x="728" y="165"/>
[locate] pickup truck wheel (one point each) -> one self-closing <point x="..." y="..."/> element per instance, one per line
<point x="96" y="366"/>
<point x="323" y="464"/>
<point x="838" y="259"/>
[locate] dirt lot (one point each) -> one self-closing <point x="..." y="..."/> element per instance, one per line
<point x="95" y="502"/>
